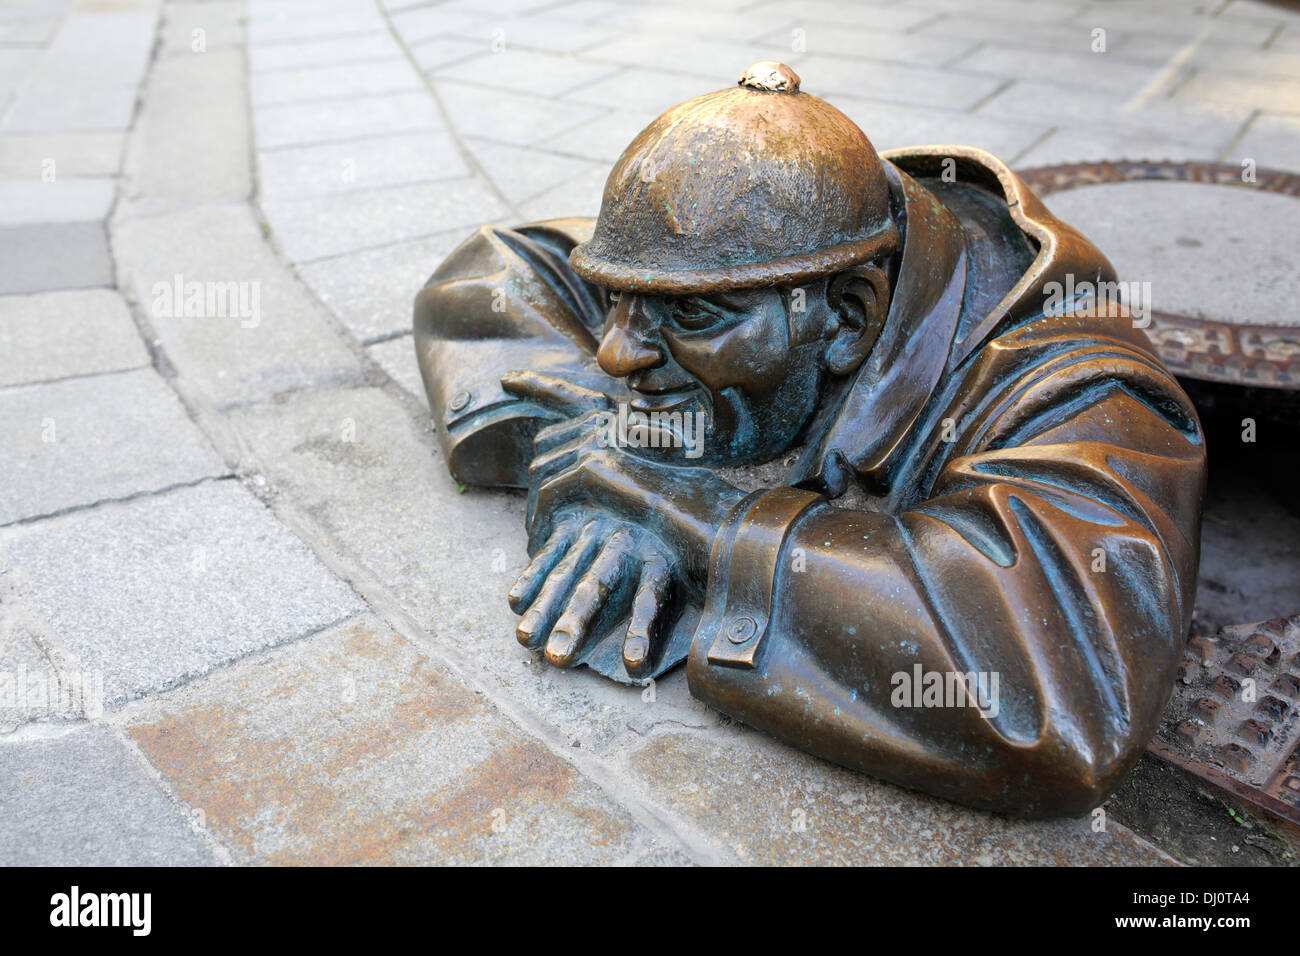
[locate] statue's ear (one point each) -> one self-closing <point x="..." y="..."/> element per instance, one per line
<point x="859" y="297"/>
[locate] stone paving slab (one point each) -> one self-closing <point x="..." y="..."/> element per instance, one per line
<point x="526" y="71"/>
<point x="354" y="748"/>
<point x="231" y="354"/>
<point x="357" y="117"/>
<point x="90" y="155"/>
<point x="49" y="256"/>
<point x="511" y="117"/>
<point x="523" y="173"/>
<point x="373" y="291"/>
<point x="397" y="358"/>
<point x="772" y="806"/>
<point x="190" y="28"/>
<point x="27" y="201"/>
<point x="309" y="229"/>
<point x="58" y="334"/>
<point x="30" y="685"/>
<point x="191" y="142"/>
<point x="323" y="51"/>
<point x="78" y="441"/>
<point x="334" y="81"/>
<point x="156" y="591"/>
<point x="81" y="799"/>
<point x="310" y="172"/>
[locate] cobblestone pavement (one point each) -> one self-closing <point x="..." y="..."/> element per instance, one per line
<point x="245" y="615"/>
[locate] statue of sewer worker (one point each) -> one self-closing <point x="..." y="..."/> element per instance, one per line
<point x="822" y="423"/>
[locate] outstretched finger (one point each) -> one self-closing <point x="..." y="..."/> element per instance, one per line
<point x="561" y="432"/>
<point x="648" y="619"/>
<point x="535" y="625"/>
<point x="588" y="599"/>
<point x="553" y="390"/>
<point x="524" y="591"/>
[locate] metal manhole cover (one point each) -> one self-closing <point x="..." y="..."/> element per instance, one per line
<point x="1234" y="720"/>
<point x="1220" y="249"/>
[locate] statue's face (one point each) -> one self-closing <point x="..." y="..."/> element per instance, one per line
<point x="751" y="363"/>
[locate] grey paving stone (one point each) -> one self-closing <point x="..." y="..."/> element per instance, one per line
<point x="603" y="139"/>
<point x="1271" y="140"/>
<point x="323" y="51"/>
<point x="1077" y="144"/>
<point x="30" y="687"/>
<point x="58" y="109"/>
<point x="443" y="51"/>
<point x="81" y="799"/>
<point x="921" y="49"/>
<point x="511" y="117"/>
<point x="83" y="440"/>
<point x="447" y="557"/>
<point x="889" y="125"/>
<point x="638" y="90"/>
<point x="527" y="71"/>
<point x="1003" y="9"/>
<point x="746" y="24"/>
<point x="307" y="229"/>
<point x="158" y="590"/>
<point x="977" y="26"/>
<point x="718" y="58"/>
<point x="292" y="21"/>
<point x="352" y="118"/>
<point x="230" y="355"/>
<point x="354" y="747"/>
<point x="86" y="79"/>
<point x="1211" y="125"/>
<point x="64" y="255"/>
<point x="1235" y="90"/>
<point x="372" y="292"/>
<point x="31" y="32"/>
<point x="306" y="172"/>
<point x="523" y="173"/>
<point x="28" y="155"/>
<point x="1155" y="232"/>
<point x="397" y="358"/>
<point x="421" y="23"/>
<point x="102" y="45"/>
<point x="208" y="26"/>
<point x="1091" y="71"/>
<point x="894" y="82"/>
<point x="333" y="81"/>
<point x="1173" y="20"/>
<point x="546" y="31"/>
<point x="190" y="144"/>
<point x="23" y="202"/>
<point x="579" y="196"/>
<point x="44" y="337"/>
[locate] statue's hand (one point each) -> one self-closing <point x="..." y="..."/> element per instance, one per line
<point x="575" y="465"/>
<point x="594" y="563"/>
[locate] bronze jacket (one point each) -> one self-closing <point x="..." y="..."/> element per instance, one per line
<point x="1001" y="491"/>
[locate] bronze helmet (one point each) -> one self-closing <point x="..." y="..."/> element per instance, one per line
<point x="751" y="186"/>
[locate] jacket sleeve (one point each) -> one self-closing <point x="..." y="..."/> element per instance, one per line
<point x="1052" y="556"/>
<point x="505" y="299"/>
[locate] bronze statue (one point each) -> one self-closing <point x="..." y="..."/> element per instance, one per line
<point x="819" y="422"/>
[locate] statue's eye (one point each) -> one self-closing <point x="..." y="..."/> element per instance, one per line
<point x="693" y="314"/>
<point x="614" y="296"/>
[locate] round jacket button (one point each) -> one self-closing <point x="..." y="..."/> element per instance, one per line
<point x="742" y="629"/>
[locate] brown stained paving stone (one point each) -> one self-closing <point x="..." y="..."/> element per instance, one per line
<point x="771" y="805"/>
<point x="353" y="748"/>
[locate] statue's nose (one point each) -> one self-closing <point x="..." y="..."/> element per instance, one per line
<point x="624" y="349"/>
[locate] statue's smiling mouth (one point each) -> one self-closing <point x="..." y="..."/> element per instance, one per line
<point x="661" y="400"/>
